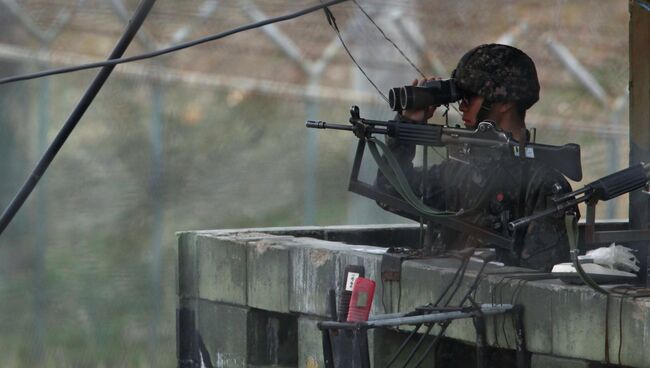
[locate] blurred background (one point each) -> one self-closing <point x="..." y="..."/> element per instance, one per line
<point x="213" y="137"/>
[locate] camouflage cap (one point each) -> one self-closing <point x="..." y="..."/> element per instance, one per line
<point x="499" y="73"/>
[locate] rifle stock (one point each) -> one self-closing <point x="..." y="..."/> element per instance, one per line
<point x="565" y="159"/>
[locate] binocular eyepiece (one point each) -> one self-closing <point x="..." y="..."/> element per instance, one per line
<point x="431" y="93"/>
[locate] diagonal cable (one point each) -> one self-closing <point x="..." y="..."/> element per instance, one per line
<point x="19" y="199"/>
<point x="171" y="49"/>
<point x="408" y="60"/>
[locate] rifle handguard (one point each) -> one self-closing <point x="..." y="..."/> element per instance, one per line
<point x="621" y="182"/>
<point x="422" y="134"/>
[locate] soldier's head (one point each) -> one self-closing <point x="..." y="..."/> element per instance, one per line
<point x="497" y="75"/>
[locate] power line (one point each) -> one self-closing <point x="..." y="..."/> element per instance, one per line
<point x="171" y="49"/>
<point x="174" y="75"/>
<point x="122" y="44"/>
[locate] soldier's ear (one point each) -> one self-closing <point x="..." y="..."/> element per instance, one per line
<point x="504" y="107"/>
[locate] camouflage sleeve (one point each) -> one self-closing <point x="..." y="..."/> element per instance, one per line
<point x="545" y="242"/>
<point x="404" y="153"/>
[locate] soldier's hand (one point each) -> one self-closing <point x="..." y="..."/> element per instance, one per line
<point x="420" y="115"/>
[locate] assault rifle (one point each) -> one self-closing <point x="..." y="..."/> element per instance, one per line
<point x="611" y="186"/>
<point x="606" y="188"/>
<point x="565" y="159"/>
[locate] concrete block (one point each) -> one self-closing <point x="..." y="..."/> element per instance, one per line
<point x="635" y="332"/>
<point x="313" y="272"/>
<point x="221" y="269"/>
<point x="384" y="344"/>
<point x="548" y="361"/>
<point x="223" y="330"/>
<point x="578" y="320"/>
<point x="187" y="272"/>
<point x="461" y="329"/>
<point x="420" y="288"/>
<point x="268" y="276"/>
<point x="310" y="343"/>
<point x="236" y="337"/>
<point x="536" y="298"/>
<point x="272" y="338"/>
<point x="560" y="320"/>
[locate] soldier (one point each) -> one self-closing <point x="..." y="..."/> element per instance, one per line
<point x="499" y="84"/>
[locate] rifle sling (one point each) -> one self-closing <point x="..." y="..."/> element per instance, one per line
<point x="572" y="233"/>
<point x="391" y="169"/>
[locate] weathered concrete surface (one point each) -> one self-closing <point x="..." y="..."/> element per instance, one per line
<point x="635" y="332"/>
<point x="187" y="271"/>
<point x="310" y="348"/>
<point x="222" y="266"/>
<point x="578" y="323"/>
<point x="313" y="274"/>
<point x="223" y="329"/>
<point x="272" y="338"/>
<point x="279" y="272"/>
<point x="549" y="361"/>
<point x="238" y="337"/>
<point x="269" y="270"/>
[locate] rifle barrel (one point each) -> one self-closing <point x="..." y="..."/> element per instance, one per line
<point x="318" y="124"/>
<point x="516" y="224"/>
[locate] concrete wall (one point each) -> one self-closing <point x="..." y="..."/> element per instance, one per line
<point x="255" y="295"/>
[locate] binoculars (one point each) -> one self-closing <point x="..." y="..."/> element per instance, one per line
<point x="431" y="93"/>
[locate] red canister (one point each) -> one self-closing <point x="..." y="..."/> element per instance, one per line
<point x="361" y="300"/>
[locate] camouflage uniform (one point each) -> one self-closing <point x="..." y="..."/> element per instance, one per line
<point x="488" y="182"/>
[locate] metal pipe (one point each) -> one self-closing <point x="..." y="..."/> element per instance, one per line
<point x="134" y="25"/>
<point x="486" y="309"/>
<point x="387" y="316"/>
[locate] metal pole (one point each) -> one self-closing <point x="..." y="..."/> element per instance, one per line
<point x="140" y="15"/>
<point x="485" y="309"/>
